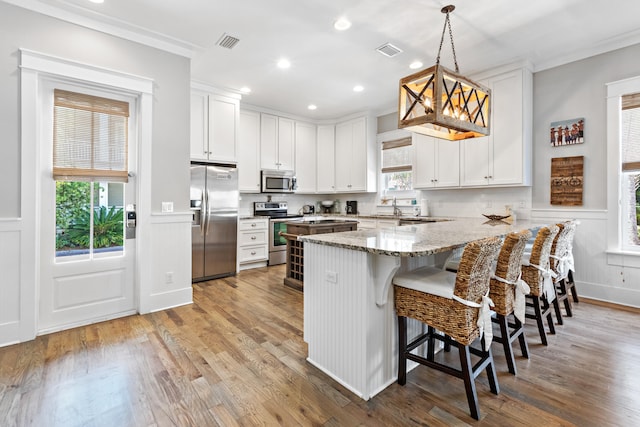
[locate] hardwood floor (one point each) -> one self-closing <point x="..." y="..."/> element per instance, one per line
<point x="236" y="357"/>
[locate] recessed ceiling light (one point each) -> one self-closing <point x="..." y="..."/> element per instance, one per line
<point x="312" y="107"/>
<point x="415" y="64"/>
<point x="97" y="1"/>
<point x="284" y="63"/>
<point x="358" y="88"/>
<point x="245" y="89"/>
<point x="342" y="24"/>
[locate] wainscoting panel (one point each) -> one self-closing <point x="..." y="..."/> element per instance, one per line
<point x="596" y="275"/>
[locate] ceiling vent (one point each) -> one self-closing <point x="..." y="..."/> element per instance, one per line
<point x="389" y="50"/>
<point x="227" y="41"/>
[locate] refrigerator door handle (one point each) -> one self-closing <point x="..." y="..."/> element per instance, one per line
<point x="202" y="215"/>
<point x="208" y="214"/>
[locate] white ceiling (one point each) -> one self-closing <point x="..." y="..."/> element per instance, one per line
<point x="327" y="64"/>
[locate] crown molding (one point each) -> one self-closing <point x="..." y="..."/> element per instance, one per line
<point x="109" y="25"/>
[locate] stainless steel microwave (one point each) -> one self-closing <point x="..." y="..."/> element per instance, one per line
<point x="278" y="181"/>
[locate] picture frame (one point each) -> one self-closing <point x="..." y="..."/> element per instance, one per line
<point x="566" y="132"/>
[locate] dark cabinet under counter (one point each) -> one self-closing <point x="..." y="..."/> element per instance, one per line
<point x="295" y="250"/>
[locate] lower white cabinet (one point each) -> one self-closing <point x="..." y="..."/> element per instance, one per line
<point x="372" y="224"/>
<point x="253" y="243"/>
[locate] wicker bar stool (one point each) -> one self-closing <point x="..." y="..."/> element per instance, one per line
<point x="536" y="272"/>
<point x="507" y="291"/>
<point x="562" y="264"/>
<point x="456" y="304"/>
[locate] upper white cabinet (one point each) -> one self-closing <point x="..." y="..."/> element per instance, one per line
<point x="435" y="162"/>
<point x="249" y="152"/>
<point x="214" y="125"/>
<point x="504" y="157"/>
<point x="355" y="156"/>
<point x="326" y="161"/>
<point x="305" y="147"/>
<point x="276" y="142"/>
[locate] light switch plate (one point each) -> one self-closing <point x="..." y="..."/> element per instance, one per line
<point x="167" y="207"/>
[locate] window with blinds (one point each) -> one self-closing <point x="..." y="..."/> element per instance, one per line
<point x="396" y="164"/>
<point x="396" y="155"/>
<point x="90" y="138"/>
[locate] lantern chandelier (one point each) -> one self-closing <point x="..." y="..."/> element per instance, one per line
<point x="443" y="103"/>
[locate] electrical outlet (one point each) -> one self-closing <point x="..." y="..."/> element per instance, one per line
<point x="488" y="204"/>
<point x="167" y="207"/>
<point x="522" y="204"/>
<point x="168" y="277"/>
<point x="332" y="277"/>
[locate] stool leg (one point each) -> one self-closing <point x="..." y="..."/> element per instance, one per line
<point x="563" y="288"/>
<point x="506" y="343"/>
<point x="469" y="382"/>
<point x="402" y="348"/>
<point x="538" y="316"/>
<point x="431" y="342"/>
<point x="491" y="369"/>
<point x="522" y="339"/>
<point x="574" y="293"/>
<point x="556" y="307"/>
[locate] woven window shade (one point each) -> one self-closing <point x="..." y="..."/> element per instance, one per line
<point x="396" y="155"/>
<point x="630" y="132"/>
<point x="90" y="138"/>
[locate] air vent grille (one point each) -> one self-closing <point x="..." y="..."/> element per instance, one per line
<point x="228" y="41"/>
<point x="389" y="50"/>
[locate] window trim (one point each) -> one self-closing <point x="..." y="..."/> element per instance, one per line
<point x="615" y="91"/>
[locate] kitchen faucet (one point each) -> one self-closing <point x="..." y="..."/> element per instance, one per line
<point x="396" y="210"/>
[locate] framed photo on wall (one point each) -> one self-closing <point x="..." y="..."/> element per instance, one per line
<point x="567" y="132"/>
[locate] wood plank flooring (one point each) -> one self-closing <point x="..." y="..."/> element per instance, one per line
<point x="236" y="357"/>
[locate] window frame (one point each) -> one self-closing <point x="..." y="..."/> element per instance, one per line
<point x="618" y="252"/>
<point x="398" y="143"/>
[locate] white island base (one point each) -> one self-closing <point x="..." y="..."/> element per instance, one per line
<point x="350" y="323"/>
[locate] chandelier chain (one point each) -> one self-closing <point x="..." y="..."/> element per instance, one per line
<point x="447" y="23"/>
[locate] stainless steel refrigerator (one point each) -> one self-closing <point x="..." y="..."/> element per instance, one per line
<point x="214" y="205"/>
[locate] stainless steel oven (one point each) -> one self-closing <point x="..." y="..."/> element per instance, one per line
<point x="278" y="218"/>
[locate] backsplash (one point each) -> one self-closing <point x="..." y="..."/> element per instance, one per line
<point x="469" y="202"/>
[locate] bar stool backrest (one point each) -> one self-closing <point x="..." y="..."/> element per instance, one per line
<point x="539" y="256"/>
<point x="474" y="271"/>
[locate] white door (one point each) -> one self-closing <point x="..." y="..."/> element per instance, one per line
<point x="87" y="260"/>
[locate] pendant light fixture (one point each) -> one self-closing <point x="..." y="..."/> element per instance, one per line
<point x="443" y="103"/>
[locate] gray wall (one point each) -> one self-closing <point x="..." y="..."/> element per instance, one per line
<point x="570" y="91"/>
<point x="20" y="28"/>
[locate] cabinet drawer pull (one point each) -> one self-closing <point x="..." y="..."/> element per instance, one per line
<point x="253" y="224"/>
<point x="253" y="237"/>
<point x="253" y="252"/>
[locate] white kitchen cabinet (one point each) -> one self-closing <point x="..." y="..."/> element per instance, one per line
<point x="355" y="156"/>
<point x="436" y="162"/>
<point x="326" y="161"/>
<point x="305" y="161"/>
<point x="366" y="224"/>
<point x="214" y="125"/>
<point x="253" y="242"/>
<point x="386" y="223"/>
<point x="249" y="152"/>
<point x="277" y="139"/>
<point x="504" y="157"/>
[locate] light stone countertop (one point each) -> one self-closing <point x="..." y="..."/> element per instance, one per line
<point x="422" y="238"/>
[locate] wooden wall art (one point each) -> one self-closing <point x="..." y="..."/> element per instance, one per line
<point x="566" y="180"/>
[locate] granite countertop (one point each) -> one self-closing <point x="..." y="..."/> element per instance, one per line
<point x="422" y="238"/>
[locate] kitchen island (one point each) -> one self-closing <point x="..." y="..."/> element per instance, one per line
<point x="294" y="276"/>
<point x="350" y="324"/>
